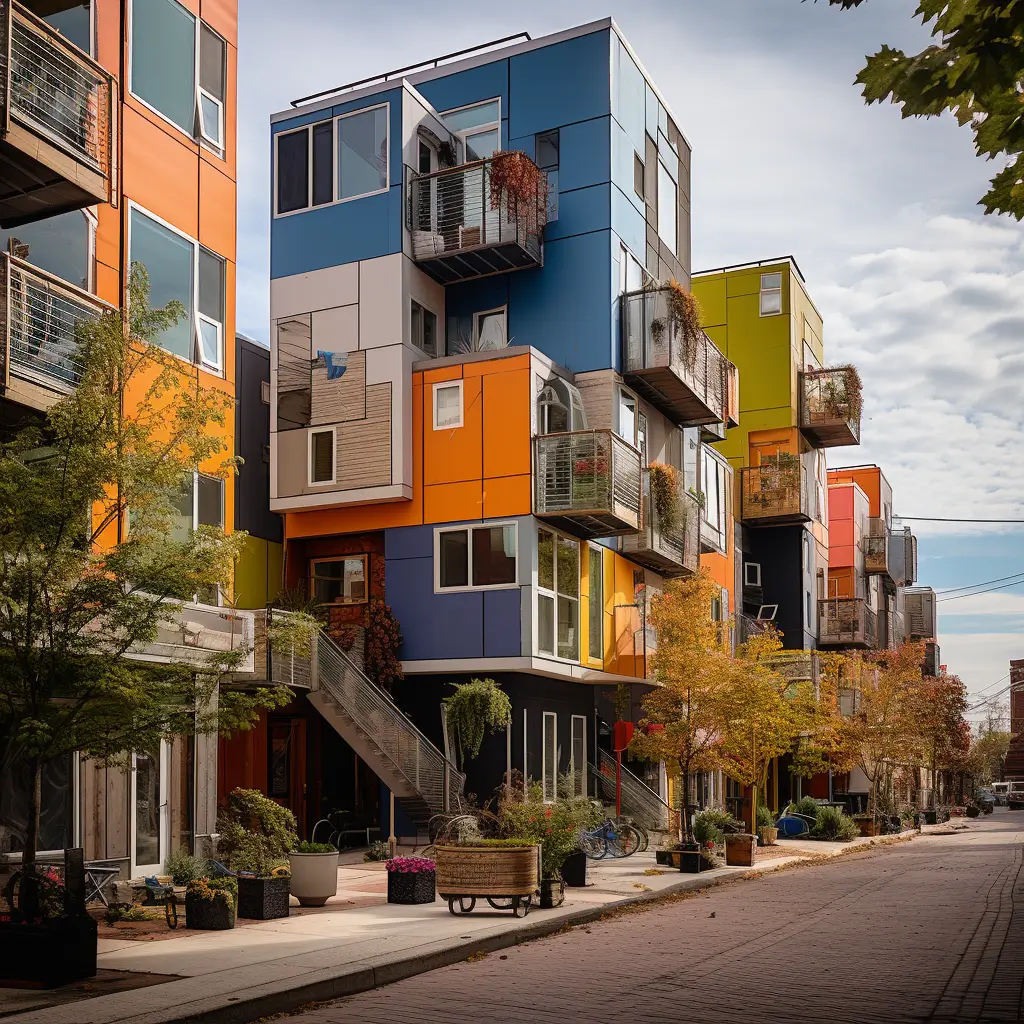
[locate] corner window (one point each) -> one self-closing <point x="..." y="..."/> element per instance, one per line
<point x="558" y="590"/>
<point x="424" y="329"/>
<point x="668" y="208"/>
<point x="322" y="456"/>
<point x="546" y="148"/>
<point x="595" y="645"/>
<point x="478" y="126"/>
<point x="181" y="269"/>
<point x="771" y="294"/>
<point x="178" y="72"/>
<point x="338" y="580"/>
<point x="294" y="373"/>
<point x="448" y="405"/>
<point x="363" y="153"/>
<point x="489" y="330"/>
<point x="475" y="557"/>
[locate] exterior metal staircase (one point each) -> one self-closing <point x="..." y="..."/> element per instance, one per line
<point x="639" y="801"/>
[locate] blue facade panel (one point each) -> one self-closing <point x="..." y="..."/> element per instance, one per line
<point x="465" y="87"/>
<point x="579" y="212"/>
<point x="629" y="223"/>
<point x="622" y="158"/>
<point x="583" y="156"/>
<point x="409" y="542"/>
<point x="560" y="84"/>
<point x="502" y="632"/>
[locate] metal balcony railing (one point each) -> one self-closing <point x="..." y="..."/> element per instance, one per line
<point x="674" y="551"/>
<point x="639" y="801"/>
<point x="777" y="491"/>
<point x="199" y="634"/>
<point x="39" y="319"/>
<point x="846" y="622"/>
<point x="278" y="662"/>
<point x="463" y="225"/>
<point x="590" y="479"/>
<point x="830" y="406"/>
<point x="876" y="548"/>
<point x="57" y="120"/>
<point x="685" y="375"/>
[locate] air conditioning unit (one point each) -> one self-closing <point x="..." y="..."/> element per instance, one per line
<point x="921" y="613"/>
<point x="903" y="557"/>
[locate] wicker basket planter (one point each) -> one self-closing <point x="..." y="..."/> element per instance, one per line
<point x="487" y="870"/>
<point x="209" y="915"/>
<point x="263" y="899"/>
<point x="740" y="849"/>
<point x="45" y="955"/>
<point x="768" y="835"/>
<point x="867" y="826"/>
<point x="409" y="887"/>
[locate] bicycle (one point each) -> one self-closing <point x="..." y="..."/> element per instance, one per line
<point x="610" y="839"/>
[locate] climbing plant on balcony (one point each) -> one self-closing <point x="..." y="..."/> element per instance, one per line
<point x="383" y="642"/>
<point x="518" y="183"/>
<point x="842" y="392"/>
<point x="474" y="709"/>
<point x="684" y="316"/>
<point x="665" y="496"/>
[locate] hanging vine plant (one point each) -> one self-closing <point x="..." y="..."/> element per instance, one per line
<point x="383" y="642"/>
<point x="474" y="709"/>
<point x="684" y="316"/>
<point x="844" y="392"/>
<point x="665" y="496"/>
<point x="520" y="184"/>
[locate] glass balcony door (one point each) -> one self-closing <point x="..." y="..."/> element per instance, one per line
<point x="150" y="820"/>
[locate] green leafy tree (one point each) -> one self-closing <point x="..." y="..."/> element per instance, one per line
<point x="973" y="69"/>
<point x="989" y="745"/>
<point x="90" y="562"/>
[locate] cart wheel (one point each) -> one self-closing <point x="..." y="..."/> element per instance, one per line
<point x="463" y="909"/>
<point x="502" y="903"/>
<point x="521" y="903"/>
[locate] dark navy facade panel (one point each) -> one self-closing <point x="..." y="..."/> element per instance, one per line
<point x="560" y="84"/>
<point x="463" y="88"/>
<point x="409" y="542"/>
<point x="502" y="623"/>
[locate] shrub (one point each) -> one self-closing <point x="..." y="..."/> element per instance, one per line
<point x="379" y="850"/>
<point x="807" y="806"/>
<point x="833" y="825"/>
<point x="711" y="825"/>
<point x="225" y="889"/>
<point x="765" y="818"/>
<point x="305" y="847"/>
<point x="556" y="827"/>
<point x="255" y="832"/>
<point x="184" y="867"/>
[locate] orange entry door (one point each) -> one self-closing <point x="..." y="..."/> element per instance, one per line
<point x="286" y="766"/>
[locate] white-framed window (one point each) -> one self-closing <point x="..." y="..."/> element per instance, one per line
<point x="490" y="329"/>
<point x="626" y="418"/>
<point x="199" y="503"/>
<point x="716" y="485"/>
<point x="484" y="557"/>
<point x="448" y="411"/>
<point x="595" y="621"/>
<point x="332" y="161"/>
<point x="265" y="392"/>
<point x="558" y="595"/>
<point x="323" y="444"/>
<point x="752" y="574"/>
<point x="478" y="125"/>
<point x="423" y="328"/>
<point x="771" y="294"/>
<point x="339" y="580"/>
<point x="578" y="755"/>
<point x="181" y="269"/>
<point x="178" y="69"/>
<point x="549" y="757"/>
<point x="668" y="208"/>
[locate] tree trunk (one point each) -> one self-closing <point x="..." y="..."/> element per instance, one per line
<point x="28" y="896"/>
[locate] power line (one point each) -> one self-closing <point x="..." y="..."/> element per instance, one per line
<point x="977" y="593"/>
<point x="971" y="586"/>
<point x="936" y="519"/>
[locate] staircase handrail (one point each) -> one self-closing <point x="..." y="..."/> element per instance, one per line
<point x="634" y="789"/>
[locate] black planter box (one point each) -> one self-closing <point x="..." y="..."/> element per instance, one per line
<point x="931" y="817"/>
<point x="552" y="893"/>
<point x="574" y="870"/>
<point x="263" y="899"/>
<point x="46" y="955"/>
<point x="692" y="861"/>
<point x="410" y="887"/>
<point x="209" y="915"/>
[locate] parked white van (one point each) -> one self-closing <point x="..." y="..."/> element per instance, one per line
<point x="1015" y="796"/>
<point x="1000" y="789"/>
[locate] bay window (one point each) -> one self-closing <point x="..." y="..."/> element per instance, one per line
<point x="558" y="594"/>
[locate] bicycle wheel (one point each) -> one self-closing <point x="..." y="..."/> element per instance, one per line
<point x="628" y="840"/>
<point x="595" y="844"/>
<point x="645" y="836"/>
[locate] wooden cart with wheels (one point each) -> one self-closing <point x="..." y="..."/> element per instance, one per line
<point x="507" y="877"/>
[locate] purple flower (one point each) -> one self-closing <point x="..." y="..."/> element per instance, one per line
<point x="410" y="865"/>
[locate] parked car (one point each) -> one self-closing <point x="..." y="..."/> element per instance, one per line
<point x="1015" y="795"/>
<point x="1000" y="789"/>
<point x="985" y="798"/>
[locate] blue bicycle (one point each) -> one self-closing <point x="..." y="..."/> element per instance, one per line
<point x="610" y="839"/>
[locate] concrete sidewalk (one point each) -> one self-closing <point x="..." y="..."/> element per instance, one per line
<point x="357" y="942"/>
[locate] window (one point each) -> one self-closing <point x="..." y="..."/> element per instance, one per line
<point x="558" y="590"/>
<point x="265" y="392"/>
<point x="771" y="294"/>
<point x="489" y="330"/>
<point x="294" y="372"/>
<point x="424" y="329"/>
<point x="578" y="756"/>
<point x="63" y="245"/>
<point x="338" y="580"/>
<point x="321" y="456"/>
<point x="752" y="574"/>
<point x="181" y="269"/>
<point x="560" y="407"/>
<point x="305" y="160"/>
<point x="178" y="73"/>
<point x="547" y="160"/>
<point x="200" y="503"/>
<point x="595" y="645"/>
<point x="478" y="126"/>
<point x="475" y="556"/>
<point x="668" y="212"/>
<point x="448" y="405"/>
<point x="638" y="174"/>
<point x="626" y="423"/>
<point x="549" y="757"/>
<point x="716" y="479"/>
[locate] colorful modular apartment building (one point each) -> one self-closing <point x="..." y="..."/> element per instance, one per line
<point x="792" y="407"/>
<point x="117" y="145"/>
<point x="484" y="410"/>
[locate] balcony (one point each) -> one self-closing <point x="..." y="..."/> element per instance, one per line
<point x="846" y="622"/>
<point x="830" y="404"/>
<point x="201" y="634"/>
<point x="777" y="492"/>
<point x="685" y="376"/>
<point x="587" y="482"/>
<point x="877" y="549"/>
<point x="673" y="550"/>
<point x="39" y="317"/>
<point x="465" y="225"/>
<point x="56" y="125"/>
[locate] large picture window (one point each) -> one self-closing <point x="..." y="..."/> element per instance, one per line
<point x="475" y="557"/>
<point x="558" y="594"/>
<point x="179" y="269"/>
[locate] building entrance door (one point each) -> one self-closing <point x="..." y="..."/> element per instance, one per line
<point x="286" y="766"/>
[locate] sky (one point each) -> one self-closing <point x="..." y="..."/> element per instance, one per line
<point x="917" y="288"/>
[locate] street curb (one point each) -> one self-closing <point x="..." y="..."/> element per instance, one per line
<point x="362" y="979"/>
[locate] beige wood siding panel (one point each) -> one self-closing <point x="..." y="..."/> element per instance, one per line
<point x="364" y="446"/>
<point x="117" y="814"/>
<point x="342" y="399"/>
<point x="598" y="394"/>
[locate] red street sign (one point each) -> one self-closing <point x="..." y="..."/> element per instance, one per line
<point x="622" y="735"/>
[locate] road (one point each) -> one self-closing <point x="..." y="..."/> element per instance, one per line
<point x="929" y="930"/>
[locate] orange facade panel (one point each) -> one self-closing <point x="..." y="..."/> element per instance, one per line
<point x="507" y="496"/>
<point x="217" y="215"/>
<point x="455" y="455"/>
<point x="506" y="440"/>
<point x="221" y="16"/>
<point x="868" y="478"/>
<point x="451" y="503"/>
<point x="841" y="582"/>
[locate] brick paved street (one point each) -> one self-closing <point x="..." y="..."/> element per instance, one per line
<point x="930" y="930"/>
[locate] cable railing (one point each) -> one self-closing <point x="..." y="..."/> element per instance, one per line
<point x="779" y="489"/>
<point x="39" y="323"/>
<point x="673" y="549"/>
<point x="846" y="621"/>
<point x="57" y="90"/>
<point x="639" y="801"/>
<point x="374" y="713"/>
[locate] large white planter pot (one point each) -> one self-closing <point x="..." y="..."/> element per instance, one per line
<point x="314" y="877"/>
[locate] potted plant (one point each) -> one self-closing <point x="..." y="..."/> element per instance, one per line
<point x="256" y="834"/>
<point x="314" y="868"/>
<point x="767" y="833"/>
<point x="210" y="903"/>
<point x="574" y="870"/>
<point x="490" y="868"/>
<point x="866" y="824"/>
<point x="411" y="880"/>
